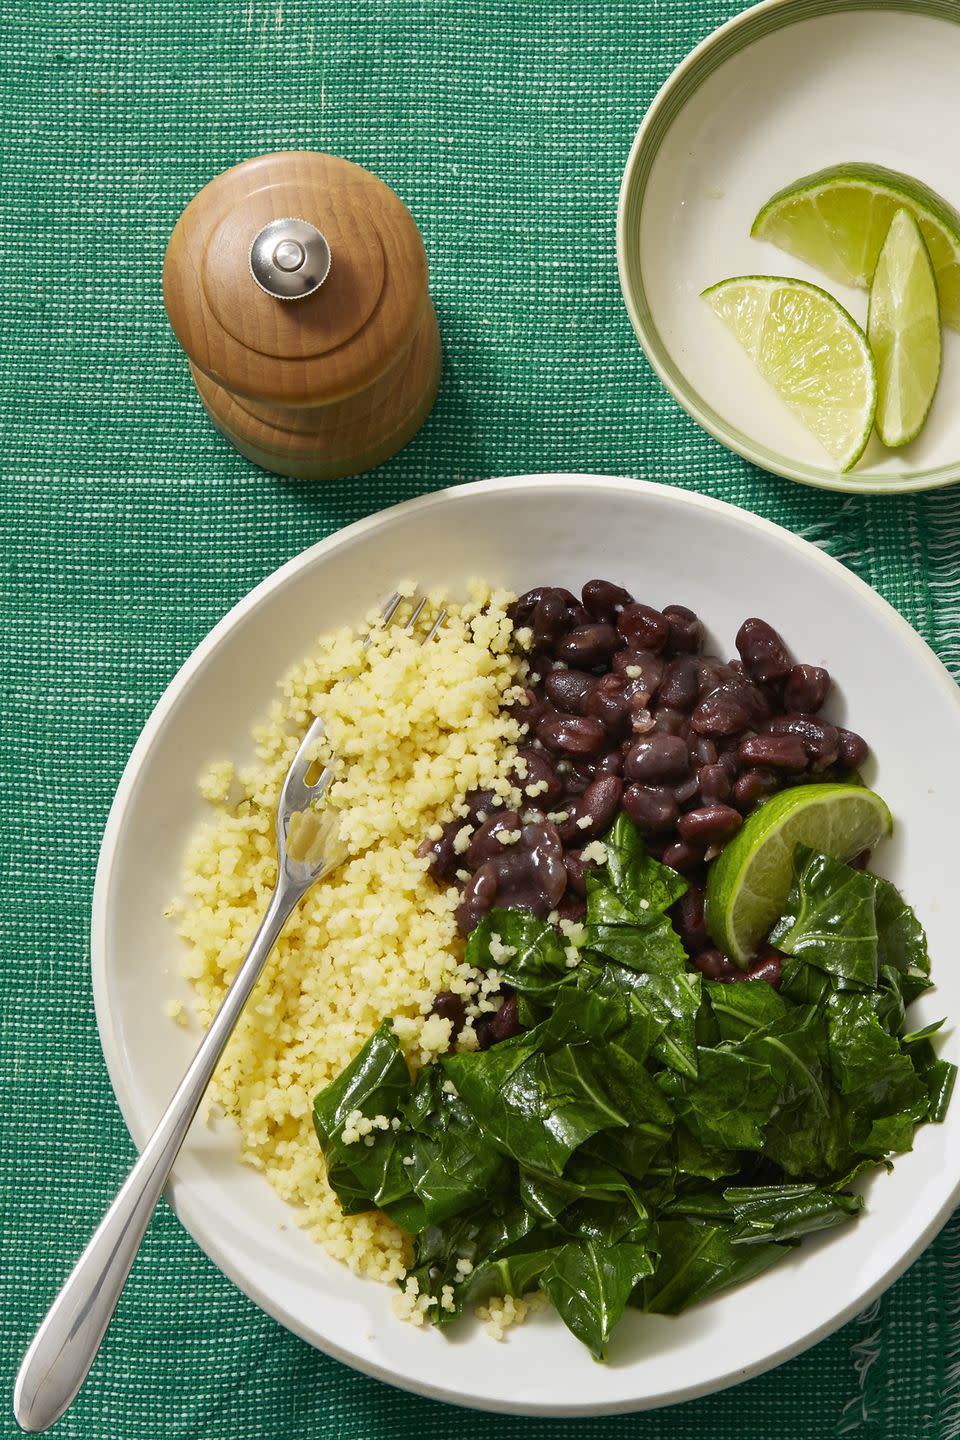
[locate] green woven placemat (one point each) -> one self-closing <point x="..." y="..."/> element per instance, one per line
<point x="130" y="527"/>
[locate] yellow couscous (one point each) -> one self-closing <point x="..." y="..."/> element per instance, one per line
<point x="410" y="730"/>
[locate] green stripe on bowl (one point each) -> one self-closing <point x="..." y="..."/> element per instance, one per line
<point x="735" y="36"/>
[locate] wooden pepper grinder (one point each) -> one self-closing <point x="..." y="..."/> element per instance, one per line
<point x="297" y="285"/>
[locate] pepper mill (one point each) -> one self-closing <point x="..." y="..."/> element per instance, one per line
<point x="297" y="285"/>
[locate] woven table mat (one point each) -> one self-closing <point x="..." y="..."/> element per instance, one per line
<point x="129" y="527"/>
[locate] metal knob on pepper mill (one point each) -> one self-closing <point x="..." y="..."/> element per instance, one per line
<point x="297" y="285"/>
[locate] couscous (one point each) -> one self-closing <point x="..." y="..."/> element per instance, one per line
<point x="413" y="730"/>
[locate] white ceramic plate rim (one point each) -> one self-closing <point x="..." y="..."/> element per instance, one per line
<point x="862" y="483"/>
<point x="206" y="1237"/>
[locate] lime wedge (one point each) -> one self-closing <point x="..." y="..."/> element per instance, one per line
<point x="904" y="331"/>
<point x="838" y="220"/>
<point x="749" y="881"/>
<point x="810" y="350"/>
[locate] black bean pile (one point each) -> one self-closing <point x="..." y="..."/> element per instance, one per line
<point x="624" y="711"/>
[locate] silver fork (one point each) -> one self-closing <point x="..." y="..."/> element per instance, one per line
<point x="66" y="1344"/>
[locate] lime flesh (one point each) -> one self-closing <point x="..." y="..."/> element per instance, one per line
<point x="904" y="332"/>
<point x="749" y="881"/>
<point x="838" y="219"/>
<point x="810" y="350"/>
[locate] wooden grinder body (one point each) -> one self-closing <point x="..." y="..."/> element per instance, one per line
<point x="321" y="386"/>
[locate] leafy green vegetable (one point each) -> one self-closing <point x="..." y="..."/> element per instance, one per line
<point x="538" y="967"/>
<point x="510" y="1275"/>
<point x="830" y="920"/>
<point x="768" y="1213"/>
<point x="667" y="992"/>
<point x="448" y="1161"/>
<point x="743" y="1010"/>
<point x="802" y="1134"/>
<point x="696" y="1260"/>
<point x="590" y="1285"/>
<point x="504" y="1230"/>
<point x="644" y="884"/>
<point x="586" y="1178"/>
<point x="537" y="1106"/>
<point x="376" y="1082"/>
<point x="728" y="1103"/>
<point x="649" y="1138"/>
<point x="901" y="941"/>
<point x="938" y="1076"/>
<point x="876" y="1078"/>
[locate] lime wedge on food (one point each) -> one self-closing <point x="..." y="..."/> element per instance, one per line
<point x="838" y="220"/>
<point x="904" y="331"/>
<point x="749" y="881"/>
<point x="810" y="350"/>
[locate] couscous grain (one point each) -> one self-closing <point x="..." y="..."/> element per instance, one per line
<point x="410" y="730"/>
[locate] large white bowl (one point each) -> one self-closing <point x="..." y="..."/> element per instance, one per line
<point x="665" y="545"/>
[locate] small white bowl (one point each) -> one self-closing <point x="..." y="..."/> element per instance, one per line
<point x="784" y="89"/>
<point x="666" y="546"/>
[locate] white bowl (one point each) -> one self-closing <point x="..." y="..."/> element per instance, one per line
<point x="665" y="545"/>
<point x="782" y="90"/>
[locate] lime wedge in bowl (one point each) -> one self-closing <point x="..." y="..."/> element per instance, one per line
<point x="810" y="350"/>
<point x="904" y="331"/>
<point x="749" y="881"/>
<point x="838" y="219"/>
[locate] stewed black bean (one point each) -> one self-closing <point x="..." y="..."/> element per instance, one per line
<point x="656" y="759"/>
<point x="589" y="645"/>
<point x="548" y="620"/>
<point x="753" y="785"/>
<point x="670" y="722"/>
<point x="610" y="764"/>
<point x="762" y="651"/>
<point x="806" y="688"/>
<point x="680" y="684"/>
<point x="484" y="843"/>
<point x="686" y="790"/>
<point x="688" y="920"/>
<point x="643" y="669"/>
<point x="623" y="712"/>
<point x="505" y="1021"/>
<point x="538" y="773"/>
<point x="715" y="965"/>
<point x="777" y="752"/>
<point x="853" y="749"/>
<point x="644" y="628"/>
<point x="652" y="808"/>
<point x="569" y="690"/>
<point x="686" y="631"/>
<point x="604" y="601"/>
<point x="609" y="703"/>
<point x="450" y="1007"/>
<point x="599" y="804"/>
<point x="571" y="734"/>
<point x="714" y="782"/>
<point x="577" y="869"/>
<point x="682" y="856"/>
<point x="720" y="713"/>
<point x="710" y="825"/>
<point x="820" y="739"/>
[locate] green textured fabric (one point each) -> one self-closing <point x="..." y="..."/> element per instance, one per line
<point x="129" y="527"/>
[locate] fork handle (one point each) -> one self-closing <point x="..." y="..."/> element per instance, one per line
<point x="66" y="1344"/>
